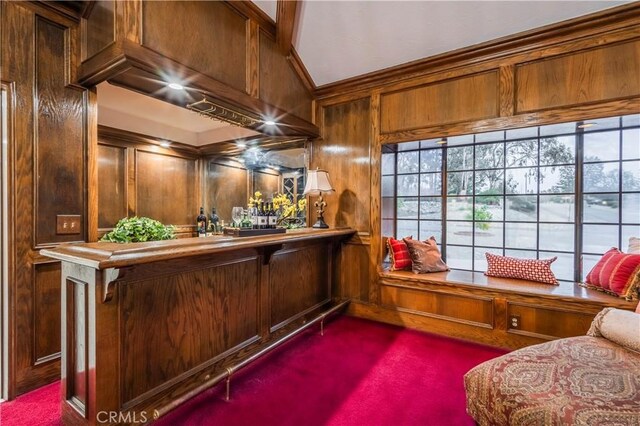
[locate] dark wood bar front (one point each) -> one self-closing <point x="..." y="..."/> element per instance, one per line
<point x="147" y="325"/>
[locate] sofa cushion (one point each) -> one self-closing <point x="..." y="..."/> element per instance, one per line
<point x="619" y="326"/>
<point x="616" y="273"/>
<point x="425" y="256"/>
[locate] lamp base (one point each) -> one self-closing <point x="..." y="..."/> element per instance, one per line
<point x="320" y="224"/>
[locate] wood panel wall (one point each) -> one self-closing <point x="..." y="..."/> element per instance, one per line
<point x="137" y="177"/>
<point x="584" y="69"/>
<point x="50" y="161"/>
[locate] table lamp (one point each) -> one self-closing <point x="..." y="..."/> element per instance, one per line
<point x="317" y="183"/>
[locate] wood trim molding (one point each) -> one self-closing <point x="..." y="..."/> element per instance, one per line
<point x="249" y="10"/>
<point x="538" y="38"/>
<point x="286" y="23"/>
<point x="124" y="138"/>
<point x="253" y="59"/>
<point x="301" y="70"/>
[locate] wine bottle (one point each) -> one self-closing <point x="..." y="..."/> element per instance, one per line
<point x="267" y="215"/>
<point x="262" y="217"/>
<point x="273" y="217"/>
<point x="213" y="220"/>
<point x="201" y="223"/>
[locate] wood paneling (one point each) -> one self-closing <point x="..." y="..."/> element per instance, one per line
<point x="46" y="309"/>
<point x="194" y="317"/>
<point x="59" y="113"/>
<point x="101" y="21"/>
<point x="468" y="310"/>
<point x="216" y="36"/>
<point x="473" y="97"/>
<point x="286" y="20"/>
<point x="344" y="152"/>
<point x="267" y="183"/>
<point x="548" y="324"/>
<point x="166" y="188"/>
<point x="296" y="290"/>
<point x="112" y="187"/>
<point x="279" y="83"/>
<point x="603" y="74"/>
<point x="39" y="53"/>
<point x="354" y="272"/>
<point x="227" y="187"/>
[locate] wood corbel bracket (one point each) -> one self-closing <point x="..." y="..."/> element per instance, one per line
<point x="110" y="277"/>
<point x="267" y="252"/>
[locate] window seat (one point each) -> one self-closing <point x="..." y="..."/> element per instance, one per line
<point x="500" y="312"/>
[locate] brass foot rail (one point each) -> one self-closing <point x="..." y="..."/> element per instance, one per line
<point x="233" y="369"/>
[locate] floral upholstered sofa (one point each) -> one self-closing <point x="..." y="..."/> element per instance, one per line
<point x="586" y="380"/>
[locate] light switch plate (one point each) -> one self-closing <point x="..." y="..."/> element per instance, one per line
<point x="68" y="224"/>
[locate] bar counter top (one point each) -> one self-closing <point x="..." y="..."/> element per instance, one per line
<point x="104" y="255"/>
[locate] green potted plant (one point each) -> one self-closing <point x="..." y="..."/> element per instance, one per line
<point x="139" y="229"/>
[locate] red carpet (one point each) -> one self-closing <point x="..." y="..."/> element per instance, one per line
<point x="359" y="372"/>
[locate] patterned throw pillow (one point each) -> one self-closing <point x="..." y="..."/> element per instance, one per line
<point x="522" y="269"/>
<point x="616" y="273"/>
<point x="399" y="254"/>
<point x="425" y="256"/>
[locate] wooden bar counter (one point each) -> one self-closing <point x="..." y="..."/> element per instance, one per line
<point x="145" y="326"/>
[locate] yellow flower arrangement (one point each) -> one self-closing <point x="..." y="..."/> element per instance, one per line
<point x="281" y="202"/>
<point x="256" y="199"/>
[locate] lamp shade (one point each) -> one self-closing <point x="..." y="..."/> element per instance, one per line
<point x="317" y="181"/>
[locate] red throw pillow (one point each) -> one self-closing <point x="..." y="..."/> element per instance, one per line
<point x="523" y="269"/>
<point x="399" y="254"/>
<point x="616" y="273"/>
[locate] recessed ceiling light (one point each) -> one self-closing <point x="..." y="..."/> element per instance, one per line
<point x="176" y="86"/>
<point x="241" y="144"/>
<point x="240" y="160"/>
<point x="586" y="125"/>
<point x="269" y="122"/>
<point x="275" y="167"/>
<point x="165" y="144"/>
<point x="441" y="141"/>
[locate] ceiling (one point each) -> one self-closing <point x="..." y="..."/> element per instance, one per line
<point x="128" y="110"/>
<point x="342" y="39"/>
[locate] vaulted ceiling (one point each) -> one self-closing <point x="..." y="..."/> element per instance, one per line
<point x="342" y="39"/>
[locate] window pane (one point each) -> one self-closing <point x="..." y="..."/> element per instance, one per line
<point x="601" y="177"/>
<point x="460" y="140"/>
<point x="407" y="228"/>
<point x="388" y="164"/>
<point x="562" y="268"/>
<point x="522" y="254"/>
<point x="521" y="235"/>
<point x="629" y="231"/>
<point x="522" y="153"/>
<point x="522" y="208"/>
<point x="431" y="160"/>
<point x="460" y="183"/>
<point x="556" y="237"/>
<point x="558" y="150"/>
<point x="431" y="184"/>
<point x="558" y="129"/>
<point x="387" y="208"/>
<point x="599" y="238"/>
<point x="489" y="156"/>
<point x="407" y="208"/>
<point x="490" y="136"/>
<point x="489" y="182"/>
<point x="459" y="233"/>
<point x="557" y="208"/>
<point x="522" y="181"/>
<point x="557" y="179"/>
<point x="602" y="146"/>
<point x="408" y="162"/>
<point x="631" y="144"/>
<point x="429" y="143"/>
<point x="431" y="208"/>
<point x="488" y="234"/>
<point x="387" y="186"/>
<point x="430" y="229"/>
<point x="631" y="120"/>
<point x="408" y="146"/>
<point x="480" y="258"/>
<point x="460" y="158"/>
<point x="459" y="257"/>
<point x="489" y="208"/>
<point x="387" y="228"/>
<point x="408" y="185"/>
<point x="631" y="208"/>
<point x="631" y="176"/>
<point x="601" y="208"/>
<point x="460" y="208"/>
<point x="527" y="132"/>
<point x="603" y="123"/>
